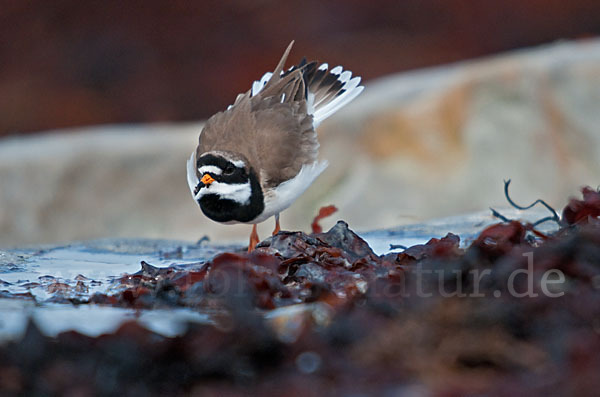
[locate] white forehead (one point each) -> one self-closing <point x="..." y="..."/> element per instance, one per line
<point x="213" y="169"/>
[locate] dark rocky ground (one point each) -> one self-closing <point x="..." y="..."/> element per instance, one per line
<point x="434" y="319"/>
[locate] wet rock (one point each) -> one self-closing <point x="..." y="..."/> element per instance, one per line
<point x="340" y="236"/>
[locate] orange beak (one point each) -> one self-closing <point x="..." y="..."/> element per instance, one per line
<point x="207" y="179"/>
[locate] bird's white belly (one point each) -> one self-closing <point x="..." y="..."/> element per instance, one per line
<point x="281" y="197"/>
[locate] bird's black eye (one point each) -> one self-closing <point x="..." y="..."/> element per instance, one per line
<point x="229" y="170"/>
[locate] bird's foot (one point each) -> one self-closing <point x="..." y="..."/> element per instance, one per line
<point x="277" y="228"/>
<point x="253" y="239"/>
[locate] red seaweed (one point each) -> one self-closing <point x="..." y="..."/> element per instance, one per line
<point x="583" y="211"/>
<point x="434" y="319"/>
<point x="324" y="212"/>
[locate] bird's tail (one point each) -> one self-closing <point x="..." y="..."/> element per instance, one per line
<point x="327" y="90"/>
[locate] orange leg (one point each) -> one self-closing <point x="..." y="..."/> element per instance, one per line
<point x="277" y="228"/>
<point x="253" y="239"/>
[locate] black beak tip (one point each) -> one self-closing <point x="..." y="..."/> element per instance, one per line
<point x="198" y="187"/>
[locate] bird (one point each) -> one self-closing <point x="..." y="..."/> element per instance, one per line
<point x="254" y="159"/>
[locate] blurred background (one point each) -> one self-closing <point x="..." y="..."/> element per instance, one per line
<point x="450" y="108"/>
<point x="69" y="63"/>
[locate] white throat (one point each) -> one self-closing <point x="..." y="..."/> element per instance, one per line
<point x="238" y="192"/>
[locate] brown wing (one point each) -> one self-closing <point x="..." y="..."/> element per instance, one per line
<point x="272" y="130"/>
<point x="286" y="138"/>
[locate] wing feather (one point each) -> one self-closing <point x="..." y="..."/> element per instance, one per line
<point x="273" y="124"/>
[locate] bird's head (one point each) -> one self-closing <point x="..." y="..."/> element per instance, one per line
<point x="224" y="185"/>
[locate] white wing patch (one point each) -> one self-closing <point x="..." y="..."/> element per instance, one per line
<point x="257" y="86"/>
<point x="327" y="106"/>
<point x="285" y="194"/>
<point x="310" y="103"/>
